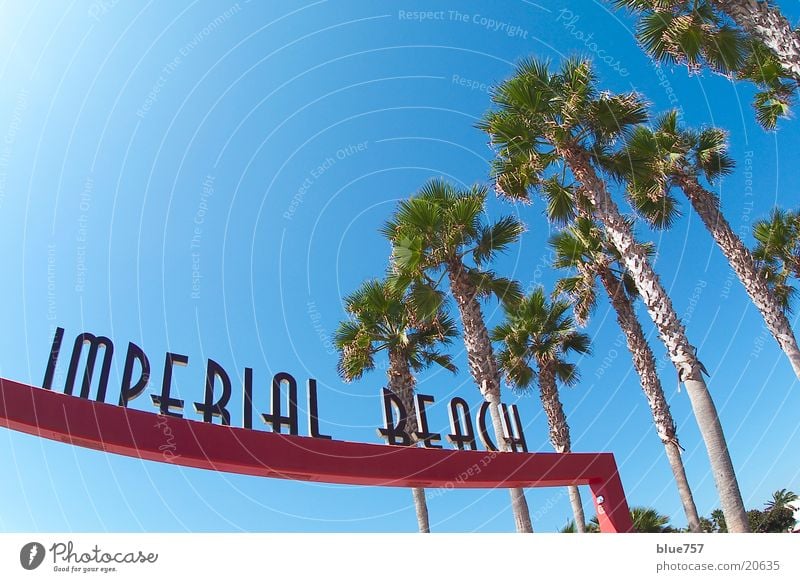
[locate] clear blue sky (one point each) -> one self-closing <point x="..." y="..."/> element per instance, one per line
<point x="126" y="126"/>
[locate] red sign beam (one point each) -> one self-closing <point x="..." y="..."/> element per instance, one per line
<point x="178" y="441"/>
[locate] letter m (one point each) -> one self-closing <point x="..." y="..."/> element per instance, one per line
<point x="94" y="344"/>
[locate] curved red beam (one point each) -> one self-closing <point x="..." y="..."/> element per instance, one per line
<point x="189" y="443"/>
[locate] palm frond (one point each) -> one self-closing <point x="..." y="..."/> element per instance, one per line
<point x="613" y="116"/>
<point x="496" y="238"/>
<point x="488" y="283"/>
<point x="425" y="301"/>
<point x="560" y="201"/>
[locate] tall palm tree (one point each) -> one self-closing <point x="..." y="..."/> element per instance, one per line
<point x="381" y="320"/>
<point x="536" y="339"/>
<point x="656" y="162"/>
<point x="546" y="119"/>
<point x="438" y="233"/>
<point x="581" y="248"/>
<point x="747" y="39"/>
<point x="777" y="253"/>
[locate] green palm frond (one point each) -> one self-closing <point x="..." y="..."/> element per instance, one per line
<point x="576" y="83"/>
<point x="425" y="300"/>
<point x="464" y="214"/>
<point x="583" y="295"/>
<point x="496" y="238"/>
<point x="612" y="116"/>
<point x="440" y="328"/>
<point x="652" y="30"/>
<point x="535" y="70"/>
<point x="579" y="343"/>
<point x="407" y="252"/>
<point x="570" y="250"/>
<point x="437" y="191"/>
<point x="684" y="39"/>
<point x="513" y="178"/>
<point x="777" y="253"/>
<point x="488" y="283"/>
<point x="567" y="373"/>
<point x="420" y="214"/>
<point x="659" y="211"/>
<point x="355" y="348"/>
<point x="726" y="51"/>
<point x="560" y="201"/>
<point x="711" y="153"/>
<point x="567" y="285"/>
<point x="516" y="370"/>
<point x="529" y="91"/>
<point x="771" y="105"/>
<point x="421" y="359"/>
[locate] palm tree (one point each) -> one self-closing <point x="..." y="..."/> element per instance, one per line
<point x="380" y="319"/>
<point x="783" y="498"/>
<point x="648" y="520"/>
<point x="777" y="253"/>
<point x="433" y="234"/>
<point x="535" y="340"/>
<point x="581" y="247"/>
<point x="746" y="39"/>
<point x="655" y="162"/>
<point x="547" y="119"/>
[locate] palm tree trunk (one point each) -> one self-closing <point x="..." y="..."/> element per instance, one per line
<point x="577" y="508"/>
<point x="645" y="364"/>
<point x="706" y="205"/>
<point x="483" y="368"/>
<point x="559" y="433"/>
<point x="402" y="383"/>
<point x="670" y="328"/>
<point x="422" y="509"/>
<point x="767" y="24"/>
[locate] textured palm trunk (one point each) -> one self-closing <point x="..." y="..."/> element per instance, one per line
<point x="681" y="352"/>
<point x="559" y="433"/>
<point x="767" y="24"/>
<point x="402" y="383"/>
<point x="706" y="204"/>
<point x="483" y="368"/>
<point x="645" y="364"/>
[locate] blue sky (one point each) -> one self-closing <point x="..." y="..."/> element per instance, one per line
<point x="208" y="178"/>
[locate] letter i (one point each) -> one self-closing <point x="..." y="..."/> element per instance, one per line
<point x="47" y="383"/>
